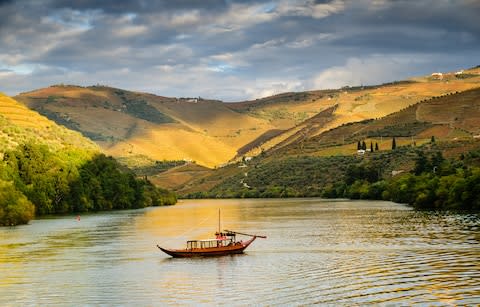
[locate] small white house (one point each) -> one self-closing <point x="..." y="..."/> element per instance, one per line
<point x="361" y="151"/>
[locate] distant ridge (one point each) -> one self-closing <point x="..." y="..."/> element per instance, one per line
<point x="145" y="128"/>
<point x="450" y="117"/>
<point x="449" y="124"/>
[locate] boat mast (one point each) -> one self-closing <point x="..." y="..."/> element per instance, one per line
<point x="219" y="220"/>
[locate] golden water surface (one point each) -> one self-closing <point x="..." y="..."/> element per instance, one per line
<point x="317" y="252"/>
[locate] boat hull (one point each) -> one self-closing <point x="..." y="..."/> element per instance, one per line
<point x="207" y="252"/>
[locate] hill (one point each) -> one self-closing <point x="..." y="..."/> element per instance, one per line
<point x="48" y="169"/>
<point x="130" y="125"/>
<point x="142" y="129"/>
<point x="19" y="124"/>
<point x="449" y="117"/>
<point x="351" y="104"/>
<point x="312" y="164"/>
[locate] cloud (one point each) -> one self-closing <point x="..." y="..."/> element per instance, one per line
<point x="311" y="8"/>
<point x="381" y="68"/>
<point x="229" y="49"/>
<point x="357" y="71"/>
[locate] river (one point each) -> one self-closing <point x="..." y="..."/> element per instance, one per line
<point x="317" y="252"/>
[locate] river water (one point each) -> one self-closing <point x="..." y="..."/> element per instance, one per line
<point x="317" y="252"/>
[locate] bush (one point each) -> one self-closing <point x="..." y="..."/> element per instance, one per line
<point x="15" y="208"/>
<point x="70" y="181"/>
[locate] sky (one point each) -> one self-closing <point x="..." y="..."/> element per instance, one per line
<point x="232" y="50"/>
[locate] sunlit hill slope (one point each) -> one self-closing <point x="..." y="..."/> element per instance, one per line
<point x="19" y="125"/>
<point x="132" y="125"/>
<point x="323" y="110"/>
<point x="146" y="128"/>
<point x="451" y="120"/>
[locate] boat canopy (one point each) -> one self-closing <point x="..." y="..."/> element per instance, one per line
<point x="207" y="240"/>
<point x="210" y="243"/>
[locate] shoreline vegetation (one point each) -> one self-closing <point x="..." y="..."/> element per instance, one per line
<point x="36" y="181"/>
<point x="47" y="169"/>
<point x="425" y="180"/>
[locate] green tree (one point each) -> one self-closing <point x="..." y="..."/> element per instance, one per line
<point x="357" y="172"/>
<point x="437" y="160"/>
<point x="15" y="208"/>
<point x="72" y="181"/>
<point x="421" y="163"/>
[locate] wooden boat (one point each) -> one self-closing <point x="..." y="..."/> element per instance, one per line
<point x="225" y="243"/>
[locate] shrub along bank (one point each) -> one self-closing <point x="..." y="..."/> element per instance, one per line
<point x="426" y="181"/>
<point x="34" y="179"/>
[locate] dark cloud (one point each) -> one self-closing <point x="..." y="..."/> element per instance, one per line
<point x="141" y="6"/>
<point x="230" y="49"/>
<point x="422" y="26"/>
<point x="451" y="16"/>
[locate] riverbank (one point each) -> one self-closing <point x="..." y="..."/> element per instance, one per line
<point x="35" y="180"/>
<point x="420" y="177"/>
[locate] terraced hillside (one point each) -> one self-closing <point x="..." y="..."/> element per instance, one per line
<point x="46" y="168"/>
<point x="138" y="126"/>
<point x="143" y="128"/>
<point x="450" y="117"/>
<point x="351" y="104"/>
<point x="18" y="125"/>
<point x="453" y="120"/>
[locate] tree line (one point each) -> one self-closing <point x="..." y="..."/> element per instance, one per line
<point x="432" y="182"/>
<point x="37" y="181"/>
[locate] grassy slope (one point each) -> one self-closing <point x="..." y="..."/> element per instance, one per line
<point x="211" y="132"/>
<point x="353" y="104"/>
<point x="454" y="120"/>
<point x="450" y="117"/>
<point x="19" y="124"/>
<point x="59" y="170"/>
<point x="179" y="175"/>
<point x="203" y="131"/>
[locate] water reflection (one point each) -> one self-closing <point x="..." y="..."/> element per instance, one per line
<point x="317" y="252"/>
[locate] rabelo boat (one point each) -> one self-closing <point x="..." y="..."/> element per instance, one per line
<point x="225" y="243"/>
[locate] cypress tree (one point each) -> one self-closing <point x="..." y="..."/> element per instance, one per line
<point x="394" y="144"/>
<point x="371" y="146"/>
<point x="359" y="146"/>
<point x="376" y="147"/>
